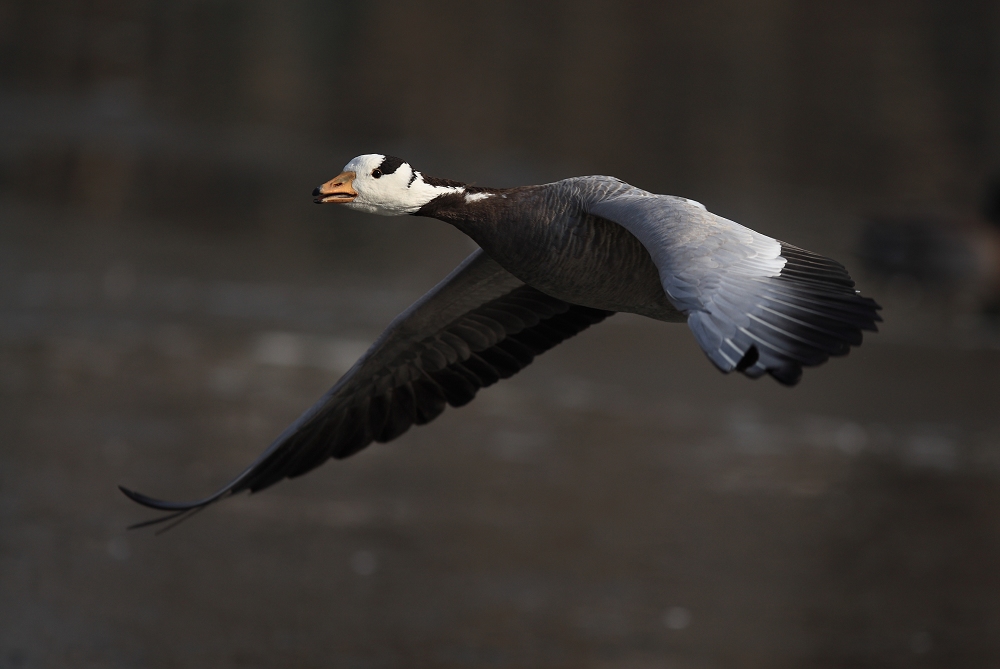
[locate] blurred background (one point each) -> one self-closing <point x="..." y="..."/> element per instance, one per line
<point x="170" y="299"/>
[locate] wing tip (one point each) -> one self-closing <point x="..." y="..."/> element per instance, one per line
<point x="144" y="500"/>
<point x="788" y="375"/>
<point x="162" y="505"/>
<point x="177" y="512"/>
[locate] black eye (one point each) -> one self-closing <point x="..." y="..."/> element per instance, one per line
<point x="376" y="173"/>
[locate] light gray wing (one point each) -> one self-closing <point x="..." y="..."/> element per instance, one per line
<point x="756" y="305"/>
<point x="479" y="325"/>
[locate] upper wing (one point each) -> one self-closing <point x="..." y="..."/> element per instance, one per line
<point x="479" y="325"/>
<point x="755" y="304"/>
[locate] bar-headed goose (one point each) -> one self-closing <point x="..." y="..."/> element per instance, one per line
<point x="554" y="260"/>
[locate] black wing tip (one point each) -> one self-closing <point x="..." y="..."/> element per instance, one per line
<point x="749" y="359"/>
<point x="159" y="504"/>
<point x="157" y="521"/>
<point x="806" y="315"/>
<point x="139" y="498"/>
<point x="787" y="370"/>
<point x="788" y="376"/>
<point x="177" y="512"/>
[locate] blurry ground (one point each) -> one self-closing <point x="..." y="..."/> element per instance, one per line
<point x="618" y="504"/>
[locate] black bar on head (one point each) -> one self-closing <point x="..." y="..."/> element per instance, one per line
<point x="390" y="164"/>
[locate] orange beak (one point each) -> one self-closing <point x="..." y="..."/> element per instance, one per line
<point x="338" y="189"/>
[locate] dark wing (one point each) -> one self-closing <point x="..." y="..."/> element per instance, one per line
<point x="479" y="325"/>
<point x="755" y="305"/>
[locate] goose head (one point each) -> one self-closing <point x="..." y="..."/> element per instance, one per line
<point x="380" y="184"/>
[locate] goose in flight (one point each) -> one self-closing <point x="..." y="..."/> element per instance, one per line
<point x="553" y="260"/>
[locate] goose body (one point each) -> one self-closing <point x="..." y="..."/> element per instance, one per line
<point x="546" y="237"/>
<point x="553" y="260"/>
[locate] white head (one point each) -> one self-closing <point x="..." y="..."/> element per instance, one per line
<point x="382" y="185"/>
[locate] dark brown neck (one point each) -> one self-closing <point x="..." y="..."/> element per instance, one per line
<point x="468" y="214"/>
